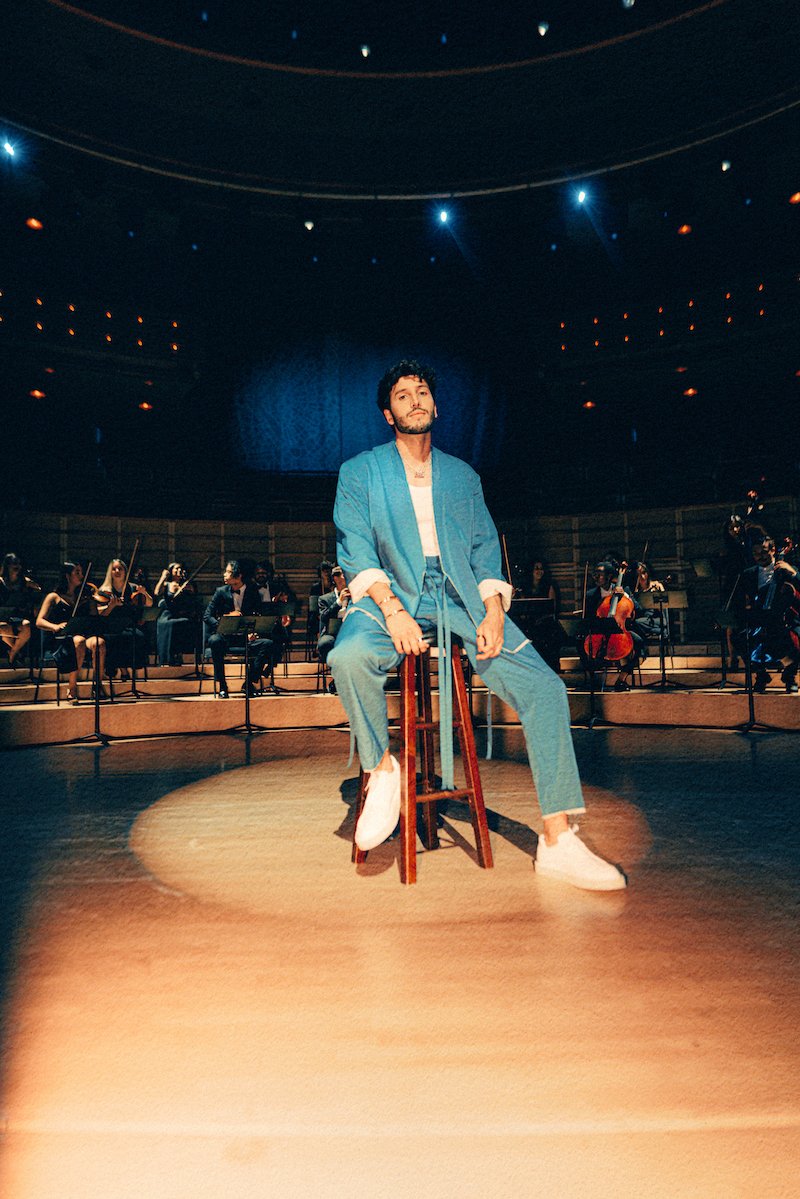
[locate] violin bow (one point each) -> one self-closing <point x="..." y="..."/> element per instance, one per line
<point x="193" y="575"/>
<point x="129" y="572"/>
<point x="505" y="558"/>
<point x="82" y="589"/>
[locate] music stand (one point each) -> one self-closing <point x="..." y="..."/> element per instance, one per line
<point x="92" y="626"/>
<point x="753" y="619"/>
<point x="117" y="623"/>
<point x="662" y="600"/>
<point x="234" y="626"/>
<point x="603" y="626"/>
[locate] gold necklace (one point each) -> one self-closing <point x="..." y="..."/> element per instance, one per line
<point x="414" y="469"/>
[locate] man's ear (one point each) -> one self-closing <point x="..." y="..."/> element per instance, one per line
<point x="387" y="412"/>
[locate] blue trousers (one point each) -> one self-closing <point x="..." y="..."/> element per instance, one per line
<point x="364" y="654"/>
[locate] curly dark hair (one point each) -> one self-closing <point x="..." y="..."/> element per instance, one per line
<point x="407" y="366"/>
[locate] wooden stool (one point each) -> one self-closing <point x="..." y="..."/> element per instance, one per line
<point x="416" y="720"/>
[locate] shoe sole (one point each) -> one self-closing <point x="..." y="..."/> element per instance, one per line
<point x="615" y="884"/>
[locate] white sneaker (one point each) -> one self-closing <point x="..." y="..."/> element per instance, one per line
<point x="573" y="862"/>
<point x="381" y="810"/>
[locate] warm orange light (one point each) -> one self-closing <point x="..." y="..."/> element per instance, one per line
<point x="49" y="370"/>
<point x="761" y="312"/>
<point x="596" y="344"/>
<point x="727" y="295"/>
<point x="596" y="320"/>
<point x="71" y="332"/>
<point x="108" y="314"/>
<point x="690" y="391"/>
<point x="140" y="320"/>
<point x="626" y="337"/>
<point x="563" y="348"/>
<point x="39" y="301"/>
<point x="34" y="223"/>
<point x="761" y="287"/>
<point x="680" y="370"/>
<point x="37" y="395"/>
<point x="589" y="404"/>
<point x="691" y="303"/>
<point x="795" y="199"/>
<point x="70" y="307"/>
<point x="661" y="333"/>
<point x="145" y="407"/>
<point x="691" y="328"/>
<point x="563" y="324"/>
<point x="174" y="347"/>
<point x="684" y="229"/>
<point x="139" y="342"/>
<point x="728" y="320"/>
<point x="174" y="324"/>
<point x="39" y="326"/>
<point x="660" y="309"/>
<point x="108" y="337"/>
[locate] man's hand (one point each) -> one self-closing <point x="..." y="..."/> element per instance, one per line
<point x="490" y="631"/>
<point x="406" y="634"/>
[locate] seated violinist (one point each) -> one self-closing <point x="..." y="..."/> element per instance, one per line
<point x="178" y="623"/>
<point x="18" y="595"/>
<point x="56" y="611"/>
<point x="238" y="596"/>
<point x="600" y="650"/>
<point x="116" y="594"/>
<point x="639" y="579"/>
<point x="274" y="589"/>
<point x="772" y="594"/>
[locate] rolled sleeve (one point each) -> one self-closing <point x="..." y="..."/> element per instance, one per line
<point x="360" y="585"/>
<point x="497" y="587"/>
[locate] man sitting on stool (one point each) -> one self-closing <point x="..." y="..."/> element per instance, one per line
<point x="332" y="606"/>
<point x="236" y="597"/>
<point x="421" y="554"/>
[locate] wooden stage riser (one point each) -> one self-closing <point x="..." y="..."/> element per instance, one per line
<point x="45" y="724"/>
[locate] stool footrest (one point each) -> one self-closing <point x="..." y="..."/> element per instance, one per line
<point x="435" y="796"/>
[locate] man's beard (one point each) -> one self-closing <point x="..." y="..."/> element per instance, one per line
<point x="425" y="427"/>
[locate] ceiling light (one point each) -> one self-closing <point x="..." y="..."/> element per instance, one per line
<point x="308" y="225"/>
<point x="443" y="216"/>
<point x="9" y="149"/>
<point x="684" y="229"/>
<point x="543" y="27"/>
<point x="34" y="222"/>
<point x="365" y="51"/>
<point x="726" y="166"/>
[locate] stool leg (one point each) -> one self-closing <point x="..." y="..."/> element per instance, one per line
<point x="359" y="855"/>
<point x="466" y="739"/>
<point x="427" y="811"/>
<point x="408" y="771"/>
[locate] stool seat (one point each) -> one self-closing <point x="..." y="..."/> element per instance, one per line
<point x="417" y="723"/>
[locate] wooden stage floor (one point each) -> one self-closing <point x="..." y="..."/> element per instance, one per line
<point x="203" y="998"/>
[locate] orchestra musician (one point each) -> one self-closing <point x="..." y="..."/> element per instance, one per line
<point x="605" y="577"/>
<point x="57" y="609"/>
<point x="772" y="591"/>
<point x="238" y="596"/>
<point x="638" y="580"/>
<point x="18" y="593"/>
<point x="331" y="607"/>
<point x="546" y="633"/>
<point x="116" y="593"/>
<point x="178" y="624"/>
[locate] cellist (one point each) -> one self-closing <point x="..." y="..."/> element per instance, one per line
<point x="605" y="577"/>
<point x="772" y="590"/>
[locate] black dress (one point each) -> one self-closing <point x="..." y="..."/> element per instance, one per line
<point x="178" y="625"/>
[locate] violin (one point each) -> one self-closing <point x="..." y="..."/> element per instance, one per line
<point x="612" y="647"/>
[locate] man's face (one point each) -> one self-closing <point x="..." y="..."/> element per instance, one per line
<point x="230" y="577"/>
<point x="338" y="580"/>
<point x="261" y="576"/>
<point x="601" y="577"/>
<point x="763" y="553"/>
<point x="411" y="407"/>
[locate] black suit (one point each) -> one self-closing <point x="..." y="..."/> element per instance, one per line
<point x="222" y="604"/>
<point x="329" y="608"/>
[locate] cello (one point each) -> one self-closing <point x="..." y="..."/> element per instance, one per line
<point x="612" y="647"/>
